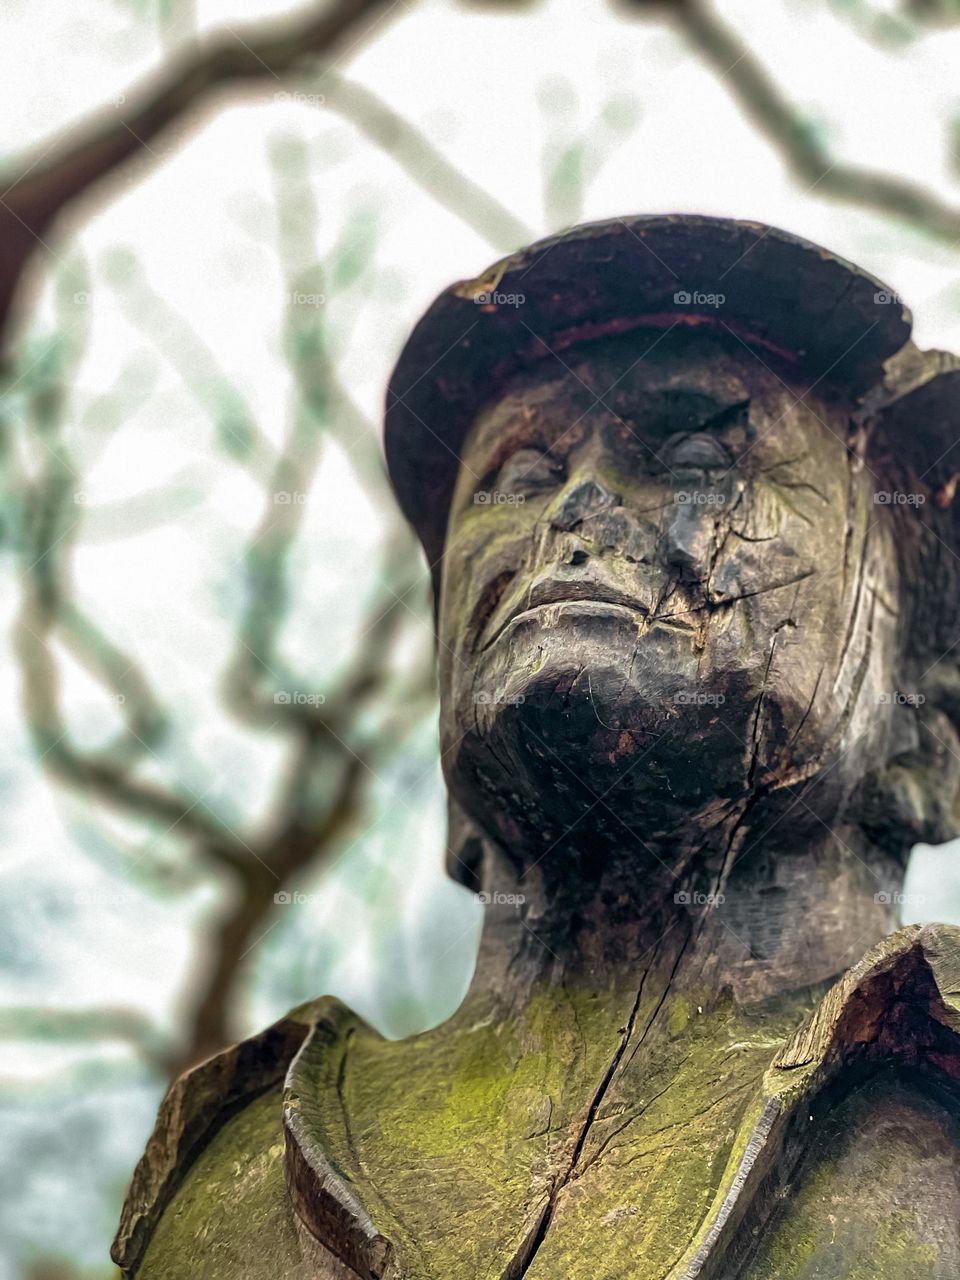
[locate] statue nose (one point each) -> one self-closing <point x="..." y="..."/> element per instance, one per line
<point x="690" y="537"/>
<point x="586" y="499"/>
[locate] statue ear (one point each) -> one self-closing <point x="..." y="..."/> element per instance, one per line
<point x="912" y="426"/>
<point x="914" y="412"/>
<point x="911" y="422"/>
<point x="476" y="861"/>
<point x="915" y="798"/>
<point x="465" y="848"/>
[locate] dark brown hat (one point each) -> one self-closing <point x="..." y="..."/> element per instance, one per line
<point x="835" y="323"/>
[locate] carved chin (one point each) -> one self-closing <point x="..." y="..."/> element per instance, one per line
<point x="592" y="720"/>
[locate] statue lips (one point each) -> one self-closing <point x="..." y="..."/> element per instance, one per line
<point x="589" y="590"/>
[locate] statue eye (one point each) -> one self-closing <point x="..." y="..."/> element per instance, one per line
<point x="529" y="471"/>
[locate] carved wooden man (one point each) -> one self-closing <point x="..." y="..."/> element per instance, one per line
<point x="685" y="488"/>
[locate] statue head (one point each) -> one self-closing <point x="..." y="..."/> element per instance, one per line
<point x="680" y="482"/>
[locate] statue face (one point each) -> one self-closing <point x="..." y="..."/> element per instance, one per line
<point x="668" y="594"/>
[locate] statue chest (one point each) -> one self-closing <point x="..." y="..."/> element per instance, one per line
<point x="589" y="1129"/>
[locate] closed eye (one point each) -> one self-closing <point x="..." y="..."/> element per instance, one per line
<point x="525" y="472"/>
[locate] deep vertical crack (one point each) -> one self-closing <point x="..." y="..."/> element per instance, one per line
<point x="523" y="1259"/>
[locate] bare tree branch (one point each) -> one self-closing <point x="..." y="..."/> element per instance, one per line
<point x="36" y="192"/>
<point x="328" y="766"/>
<point x="425" y="163"/>
<point x="778" y="120"/>
<point x="81" y="1026"/>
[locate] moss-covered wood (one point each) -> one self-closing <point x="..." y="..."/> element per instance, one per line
<point x="682" y="1136"/>
<point x="878" y="1194"/>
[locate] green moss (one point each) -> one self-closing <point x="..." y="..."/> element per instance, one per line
<point x="231" y="1220"/>
<point x="877" y="1198"/>
<point x="455" y="1139"/>
<point x="680" y="1012"/>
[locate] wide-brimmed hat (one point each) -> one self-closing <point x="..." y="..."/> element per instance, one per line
<point x="835" y="324"/>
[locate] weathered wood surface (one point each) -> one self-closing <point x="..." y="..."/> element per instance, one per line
<point x="877" y="1196"/>
<point x="692" y="1141"/>
<point x="194" y="1109"/>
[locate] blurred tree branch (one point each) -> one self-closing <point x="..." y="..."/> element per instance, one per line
<point x="81" y="1026"/>
<point x="933" y="12"/>
<point x="762" y="100"/>
<point x="426" y="164"/>
<point x="326" y="776"/>
<point x="330" y="761"/>
<point x="36" y="192"/>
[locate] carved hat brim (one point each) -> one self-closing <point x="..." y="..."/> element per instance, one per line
<point x="832" y="321"/>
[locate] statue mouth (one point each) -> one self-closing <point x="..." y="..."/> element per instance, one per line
<point x="586" y="596"/>
<point x="584" y="606"/>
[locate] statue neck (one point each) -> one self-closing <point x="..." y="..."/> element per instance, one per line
<point x="760" y="920"/>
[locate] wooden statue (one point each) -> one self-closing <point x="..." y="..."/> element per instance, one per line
<point x="685" y="487"/>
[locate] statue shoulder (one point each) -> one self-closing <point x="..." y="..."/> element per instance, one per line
<point x="222" y="1123"/>
<point x="848" y="1161"/>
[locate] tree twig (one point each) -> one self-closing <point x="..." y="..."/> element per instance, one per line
<point x="37" y="191"/>
<point x="777" y="119"/>
<point x="425" y="163"/>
